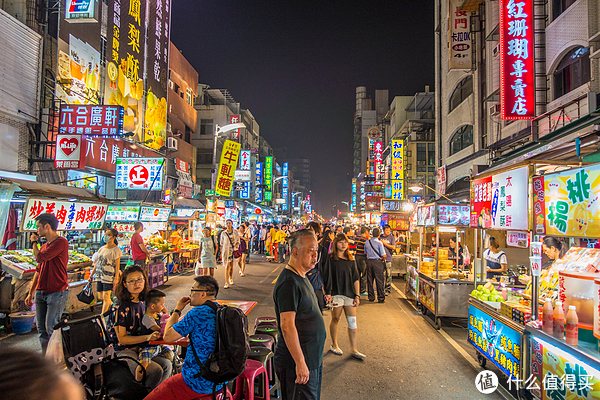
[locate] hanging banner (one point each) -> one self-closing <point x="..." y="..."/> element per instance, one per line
<point x="234" y="119"/>
<point x="517" y="79"/>
<point x="571" y="202"/>
<point x="72" y="216"/>
<point x="397" y="169"/>
<point x="539" y="205"/>
<point x="501" y="201"/>
<point x="460" y="37"/>
<point x="227" y="165"/>
<point x="284" y="187"/>
<point x="441" y="179"/>
<point x="258" y="181"/>
<point x="268" y="177"/>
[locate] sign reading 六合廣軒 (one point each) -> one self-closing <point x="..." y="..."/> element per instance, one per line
<point x="72" y="216"/>
<point x="397" y="178"/>
<point x="227" y="166"/>
<point x="139" y="173"/>
<point x="517" y="79"/>
<point x="459" y="36"/>
<point x="91" y="120"/>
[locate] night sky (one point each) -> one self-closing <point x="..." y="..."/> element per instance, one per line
<point x="296" y="66"/>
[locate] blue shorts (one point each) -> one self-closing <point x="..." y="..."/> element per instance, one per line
<point x="104" y="287"/>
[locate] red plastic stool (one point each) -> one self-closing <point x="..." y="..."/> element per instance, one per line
<point x="244" y="384"/>
<point x="208" y="396"/>
<point x="262" y="341"/>
<point x="271" y="321"/>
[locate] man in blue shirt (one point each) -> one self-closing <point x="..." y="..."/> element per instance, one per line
<point x="375" y="252"/>
<point x="199" y="324"/>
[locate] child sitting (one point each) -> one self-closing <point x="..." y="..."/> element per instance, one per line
<point x="155" y="304"/>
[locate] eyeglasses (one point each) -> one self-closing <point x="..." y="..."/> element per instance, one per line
<point x="140" y="280"/>
<point x="197" y="290"/>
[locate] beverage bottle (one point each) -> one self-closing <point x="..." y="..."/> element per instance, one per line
<point x="547" y="317"/>
<point x="572" y="329"/>
<point x="558" y="327"/>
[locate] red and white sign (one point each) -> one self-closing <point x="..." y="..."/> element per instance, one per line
<point x="441" y="178"/>
<point x="72" y="216"/>
<point x="182" y="166"/>
<point x="68" y="152"/>
<point x="517" y="80"/>
<point x="377" y="159"/>
<point x="91" y="119"/>
<point x="184" y="184"/>
<point x="139" y="173"/>
<point x="460" y="37"/>
<point x="234" y="119"/>
<point x="240" y="175"/>
<point x="536" y="265"/>
<point x="102" y="153"/>
<point x="245" y="160"/>
<point x="374" y="133"/>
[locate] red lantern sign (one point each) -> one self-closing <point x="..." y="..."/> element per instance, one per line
<point x="257" y="211"/>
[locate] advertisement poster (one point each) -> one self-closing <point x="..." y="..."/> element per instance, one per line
<point x="78" y="77"/>
<point x="397" y="176"/>
<point x="559" y="375"/>
<point x="498" y="342"/>
<point x="87" y="180"/>
<point x="426" y="215"/>
<point x="72" y="216"/>
<point x="453" y="215"/>
<point x="501" y="201"/>
<point x="571" y="202"/>
<point x="125" y="60"/>
<point x="154" y="214"/>
<point x="517" y="239"/>
<point x="122" y="213"/>
<point x="460" y="38"/>
<point x="427" y="294"/>
<point x="227" y="166"/>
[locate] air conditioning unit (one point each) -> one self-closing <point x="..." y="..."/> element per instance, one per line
<point x="172" y="143"/>
<point x="170" y="84"/>
<point x="495" y="109"/>
<point x="169" y="127"/>
<point x="496" y="51"/>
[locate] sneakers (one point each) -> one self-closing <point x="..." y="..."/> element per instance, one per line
<point x="358" y="355"/>
<point x="226" y="286"/>
<point x="336" y="350"/>
<point x="364" y="294"/>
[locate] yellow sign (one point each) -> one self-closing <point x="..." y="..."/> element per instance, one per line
<point x="227" y="165"/>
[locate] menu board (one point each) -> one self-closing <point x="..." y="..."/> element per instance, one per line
<point x="453" y="215"/>
<point x="426" y="215"/>
<point x="122" y="213"/>
<point x="154" y="214"/>
<point x="72" y="216"/>
<point x="501" y="201"/>
<point x="567" y="203"/>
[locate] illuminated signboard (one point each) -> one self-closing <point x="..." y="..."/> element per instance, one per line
<point x="72" y="216"/>
<point x="245" y="192"/>
<point x="353" y="204"/>
<point x="391" y="205"/>
<point x="245" y="160"/>
<point x="227" y="165"/>
<point x="377" y="158"/>
<point x="154" y="214"/>
<point x="397" y="177"/>
<point x="258" y="181"/>
<point x="139" y="173"/>
<point x="235" y="119"/>
<point x="79" y="65"/>
<point x="68" y="153"/>
<point x="241" y="175"/>
<point x="453" y="215"/>
<point x="460" y="37"/>
<point x="268" y="177"/>
<point x="517" y="80"/>
<point x="122" y="213"/>
<point x="80" y="10"/>
<point x="284" y="189"/>
<point x="91" y="120"/>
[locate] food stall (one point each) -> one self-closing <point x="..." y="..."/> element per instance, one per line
<point x="412" y="260"/>
<point x="443" y="289"/>
<point x="395" y="213"/>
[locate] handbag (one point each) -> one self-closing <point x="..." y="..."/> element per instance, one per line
<point x="236" y="253"/>
<point x="87" y="294"/>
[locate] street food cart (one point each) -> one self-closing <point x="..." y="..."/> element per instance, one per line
<point x="395" y="213"/>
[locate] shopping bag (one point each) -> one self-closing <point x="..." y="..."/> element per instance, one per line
<point x="54" y="352"/>
<point x="87" y="294"/>
<point x="198" y="268"/>
<point x="466" y="255"/>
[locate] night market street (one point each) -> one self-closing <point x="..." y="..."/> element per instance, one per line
<point x="406" y="357"/>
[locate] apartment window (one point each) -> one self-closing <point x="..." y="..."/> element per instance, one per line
<point x="572" y="72"/>
<point x="421" y="169"/>
<point x="430" y="153"/>
<point x="203" y="158"/>
<point x="462" y="138"/>
<point x="421" y="152"/>
<point x="560" y="6"/>
<point x="206" y="127"/>
<point x="463" y="90"/>
<point x="189" y="96"/>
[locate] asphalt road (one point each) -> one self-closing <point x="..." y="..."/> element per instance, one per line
<point x="406" y="357"/>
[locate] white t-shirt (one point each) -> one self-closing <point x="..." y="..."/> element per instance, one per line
<point x="499" y="258"/>
<point x="106" y="263"/>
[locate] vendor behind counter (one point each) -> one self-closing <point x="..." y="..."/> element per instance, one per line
<point x="496" y="262"/>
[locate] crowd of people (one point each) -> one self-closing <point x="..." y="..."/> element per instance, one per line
<point x="328" y="267"/>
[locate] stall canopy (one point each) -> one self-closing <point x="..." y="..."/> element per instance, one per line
<point x="31" y="188"/>
<point x="189" y="203"/>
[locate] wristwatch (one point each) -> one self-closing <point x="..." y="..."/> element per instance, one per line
<point x="176" y="311"/>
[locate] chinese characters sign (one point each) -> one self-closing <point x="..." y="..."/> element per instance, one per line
<point x="154" y="214"/>
<point x="91" y="120"/>
<point x="517" y="88"/>
<point x="570" y="201"/>
<point x="496" y="341"/>
<point x="397" y="177"/>
<point x="68" y="152"/>
<point x="426" y="215"/>
<point x="500" y="201"/>
<point x="102" y="153"/>
<point x="184" y="183"/>
<point x="453" y="215"/>
<point x="227" y="166"/>
<point x="122" y="213"/>
<point x="377" y="158"/>
<point x="235" y="119"/>
<point x="284" y="190"/>
<point x="258" y="182"/>
<point x="391" y="205"/>
<point x="460" y="37"/>
<point x="441" y="179"/>
<point x="80" y="10"/>
<point x="72" y="216"/>
<point x="268" y="177"/>
<point x="139" y="173"/>
<point x="245" y="160"/>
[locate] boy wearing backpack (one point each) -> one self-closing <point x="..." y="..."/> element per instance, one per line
<point x="199" y="324"/>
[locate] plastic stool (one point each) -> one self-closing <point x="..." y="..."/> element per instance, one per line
<point x="244" y="384"/>
<point x="265" y="357"/>
<point x="267" y="330"/>
<point x="271" y="321"/>
<point x="262" y="340"/>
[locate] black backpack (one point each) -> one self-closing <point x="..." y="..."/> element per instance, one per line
<point x="232" y="348"/>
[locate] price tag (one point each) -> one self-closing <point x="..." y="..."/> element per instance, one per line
<point x="536" y="265"/>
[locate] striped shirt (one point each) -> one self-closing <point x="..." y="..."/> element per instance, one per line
<point x="351" y="245"/>
<point x="360" y="245"/>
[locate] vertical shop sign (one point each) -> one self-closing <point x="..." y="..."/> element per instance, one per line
<point x="245" y="160"/>
<point x="284" y="189"/>
<point x="184" y="183"/>
<point x="68" y="153"/>
<point x="234" y="119"/>
<point x="245" y="192"/>
<point x="268" y="177"/>
<point x="377" y="160"/>
<point x="354" y="195"/>
<point x="441" y="179"/>
<point x="227" y="165"/>
<point x="517" y="80"/>
<point x="397" y="169"/>
<point x="258" y="181"/>
<point x="460" y="37"/>
<point x="539" y="205"/>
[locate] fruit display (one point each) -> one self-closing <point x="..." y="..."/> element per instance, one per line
<point x="487" y="292"/>
<point x="21" y="263"/>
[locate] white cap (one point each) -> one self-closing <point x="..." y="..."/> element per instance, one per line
<point x="558" y="302"/>
<point x="572" y="308"/>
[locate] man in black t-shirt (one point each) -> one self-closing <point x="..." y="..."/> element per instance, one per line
<point x="299" y="352"/>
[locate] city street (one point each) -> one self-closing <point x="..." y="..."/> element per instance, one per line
<point x="406" y="357"/>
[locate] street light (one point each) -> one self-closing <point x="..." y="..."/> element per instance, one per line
<point x="419" y="186"/>
<point x="219" y="130"/>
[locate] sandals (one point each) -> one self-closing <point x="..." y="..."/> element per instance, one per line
<point x="336" y="350"/>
